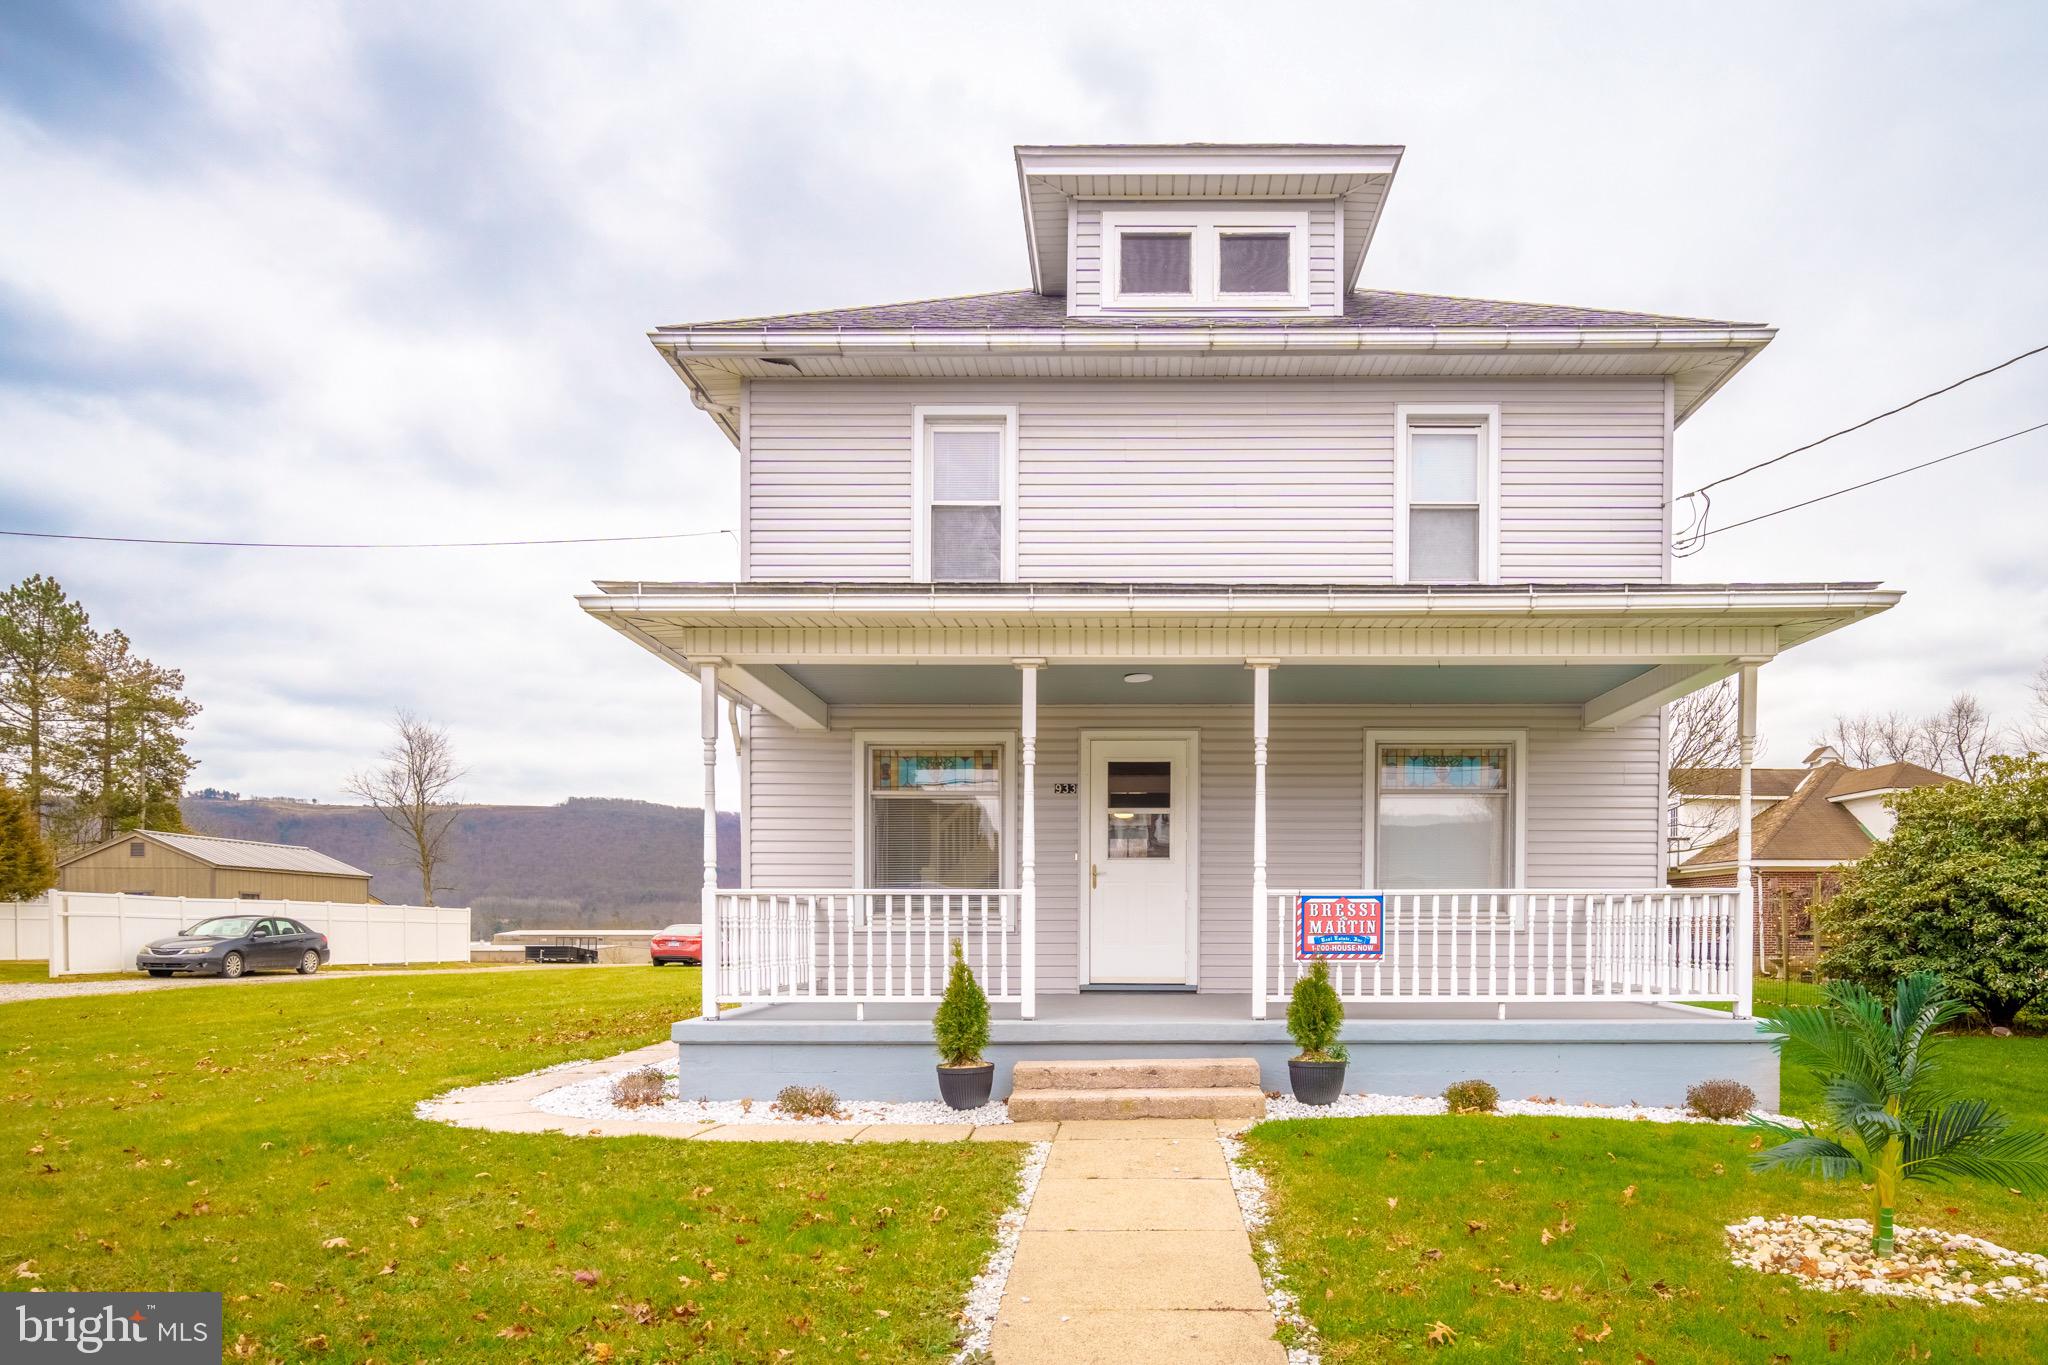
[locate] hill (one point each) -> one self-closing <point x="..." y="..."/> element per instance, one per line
<point x="589" y="862"/>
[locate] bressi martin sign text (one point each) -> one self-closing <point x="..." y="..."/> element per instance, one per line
<point x="1345" y="927"/>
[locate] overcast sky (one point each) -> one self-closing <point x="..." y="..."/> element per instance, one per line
<point x="383" y="272"/>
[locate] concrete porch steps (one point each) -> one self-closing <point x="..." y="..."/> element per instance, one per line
<point x="1141" y="1088"/>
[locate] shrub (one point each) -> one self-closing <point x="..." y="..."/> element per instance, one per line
<point x="960" y="1026"/>
<point x="27" y="868"/>
<point x="639" y="1088"/>
<point x="1720" y="1099"/>
<point x="1315" y="1016"/>
<point x="1471" y="1097"/>
<point x="1959" y="889"/>
<point x="1888" y="1115"/>
<point x="807" y="1102"/>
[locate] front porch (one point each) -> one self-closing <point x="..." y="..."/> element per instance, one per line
<point x="1586" y="1051"/>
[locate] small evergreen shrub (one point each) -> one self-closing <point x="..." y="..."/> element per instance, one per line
<point x="640" y="1088"/>
<point x="960" y="1026"/>
<point x="1315" y="1016"/>
<point x="807" y="1102"/>
<point x="1471" y="1097"/>
<point x="1720" y="1099"/>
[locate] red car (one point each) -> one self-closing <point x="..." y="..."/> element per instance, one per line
<point x="677" y="943"/>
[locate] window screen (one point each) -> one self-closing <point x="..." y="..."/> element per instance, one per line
<point x="1443" y="504"/>
<point x="1155" y="263"/>
<point x="1253" y="263"/>
<point x="966" y="502"/>
<point x="935" y="817"/>
<point x="1443" y="816"/>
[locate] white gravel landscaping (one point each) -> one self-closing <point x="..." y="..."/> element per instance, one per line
<point x="592" y="1099"/>
<point x="985" y="1295"/>
<point x="1249" y="1185"/>
<point x="1384" y="1106"/>
<point x="1834" y="1254"/>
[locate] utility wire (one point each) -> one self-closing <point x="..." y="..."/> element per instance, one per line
<point x="344" y="545"/>
<point x="1890" y="412"/>
<point x="1910" y="469"/>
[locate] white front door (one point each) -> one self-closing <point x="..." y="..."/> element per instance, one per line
<point x="1140" y="851"/>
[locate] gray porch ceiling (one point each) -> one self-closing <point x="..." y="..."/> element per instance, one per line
<point x="1215" y="684"/>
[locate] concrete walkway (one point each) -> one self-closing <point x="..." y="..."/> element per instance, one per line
<point x="1133" y="1251"/>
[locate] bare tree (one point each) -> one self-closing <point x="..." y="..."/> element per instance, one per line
<point x="414" y="792"/>
<point x="1960" y="737"/>
<point x="1703" y="739"/>
<point x="1869" y="739"/>
<point x="2030" y="734"/>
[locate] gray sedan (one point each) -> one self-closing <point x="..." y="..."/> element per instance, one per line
<point x="230" y="945"/>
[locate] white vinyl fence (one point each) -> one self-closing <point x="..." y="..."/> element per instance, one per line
<point x="82" y="931"/>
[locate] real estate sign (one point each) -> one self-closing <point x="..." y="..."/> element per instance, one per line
<point x="1345" y="926"/>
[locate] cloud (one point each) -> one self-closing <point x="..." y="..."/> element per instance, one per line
<point x="384" y="272"/>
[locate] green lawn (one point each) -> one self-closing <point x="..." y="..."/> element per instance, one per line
<point x="1634" y="1268"/>
<point x="224" y="1138"/>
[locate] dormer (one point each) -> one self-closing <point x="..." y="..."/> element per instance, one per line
<point x="1202" y="230"/>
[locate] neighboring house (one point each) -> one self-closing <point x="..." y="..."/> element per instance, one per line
<point x="154" y="863"/>
<point x="1089" y="623"/>
<point x="1831" y="816"/>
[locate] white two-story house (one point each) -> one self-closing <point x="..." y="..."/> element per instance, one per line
<point x="1092" y="623"/>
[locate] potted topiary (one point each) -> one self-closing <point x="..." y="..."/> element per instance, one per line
<point x="961" y="1030"/>
<point x="1315" y="1016"/>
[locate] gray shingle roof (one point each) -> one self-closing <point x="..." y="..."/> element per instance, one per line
<point x="1025" y="309"/>
<point x="252" y="855"/>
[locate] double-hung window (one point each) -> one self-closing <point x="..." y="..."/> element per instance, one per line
<point x="1188" y="259"/>
<point x="1444" y="810"/>
<point x="966" y="474"/>
<point x="1446" y="493"/>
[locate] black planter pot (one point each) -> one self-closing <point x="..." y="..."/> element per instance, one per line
<point x="1316" y="1082"/>
<point x="966" y="1087"/>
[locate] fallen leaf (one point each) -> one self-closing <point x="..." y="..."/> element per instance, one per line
<point x="316" y="1342"/>
<point x="518" y="1331"/>
<point x="1628" y="1196"/>
<point x="587" y="1277"/>
<point x="599" y="1351"/>
<point x="1441" y="1334"/>
<point x="1473" y="1227"/>
<point x="335" y="1244"/>
<point x="1393" y="1200"/>
<point x="27" y="1271"/>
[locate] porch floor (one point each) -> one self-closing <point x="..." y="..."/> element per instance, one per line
<point x="1207" y="1009"/>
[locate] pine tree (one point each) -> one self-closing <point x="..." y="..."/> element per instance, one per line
<point x="41" y="631"/>
<point x="26" y="866"/>
<point x="125" y="763"/>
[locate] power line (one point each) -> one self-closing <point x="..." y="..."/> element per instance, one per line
<point x="347" y="545"/>
<point x="1889" y="412"/>
<point x="1910" y="469"/>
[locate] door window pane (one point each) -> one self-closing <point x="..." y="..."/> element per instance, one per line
<point x="1443" y="544"/>
<point x="1155" y="262"/>
<point x="1253" y="263"/>
<point x="967" y="544"/>
<point x="1140" y="801"/>
<point x="967" y="465"/>
<point x="1140" y="834"/>
<point x="1444" y="465"/>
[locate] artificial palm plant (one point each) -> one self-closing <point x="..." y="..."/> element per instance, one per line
<point x="1888" y="1117"/>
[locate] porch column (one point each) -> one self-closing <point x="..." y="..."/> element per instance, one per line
<point x="1027" y="839"/>
<point x="1262" y="680"/>
<point x="707" y="913"/>
<point x="1745" y="874"/>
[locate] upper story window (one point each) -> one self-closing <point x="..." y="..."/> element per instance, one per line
<point x="1447" y="494"/>
<point x="966" y="489"/>
<point x="1183" y="258"/>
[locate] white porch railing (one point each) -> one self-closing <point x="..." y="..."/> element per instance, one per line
<point x="863" y="946"/>
<point x="1506" y="946"/>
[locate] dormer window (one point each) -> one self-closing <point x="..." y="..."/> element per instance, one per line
<point x="1189" y="259"/>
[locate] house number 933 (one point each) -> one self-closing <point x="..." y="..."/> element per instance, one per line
<point x="1065" y="788"/>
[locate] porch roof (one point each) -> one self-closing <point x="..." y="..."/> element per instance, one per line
<point x="1617" y="650"/>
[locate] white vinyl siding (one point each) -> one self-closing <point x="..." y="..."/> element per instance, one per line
<point x="1260" y="480"/>
<point x="1593" y="804"/>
